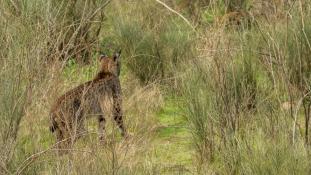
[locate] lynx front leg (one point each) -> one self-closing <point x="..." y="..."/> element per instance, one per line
<point x="118" y="115"/>
<point x="101" y="127"/>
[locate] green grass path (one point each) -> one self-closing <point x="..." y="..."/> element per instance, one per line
<point x="172" y="143"/>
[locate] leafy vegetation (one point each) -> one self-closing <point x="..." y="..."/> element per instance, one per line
<point x="209" y="87"/>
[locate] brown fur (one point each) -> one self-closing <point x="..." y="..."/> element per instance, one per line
<point x="235" y="18"/>
<point x="88" y="99"/>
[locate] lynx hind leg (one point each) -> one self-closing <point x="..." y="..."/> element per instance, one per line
<point x="78" y="130"/>
<point x="81" y="130"/>
<point x="63" y="140"/>
<point x="78" y="113"/>
<point x="57" y="127"/>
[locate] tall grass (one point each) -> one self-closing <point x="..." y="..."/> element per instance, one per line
<point x="153" y="44"/>
<point x="232" y="82"/>
<point x="293" y="57"/>
<point x="233" y="97"/>
<point x="17" y="69"/>
<point x="30" y="83"/>
<point x="220" y="93"/>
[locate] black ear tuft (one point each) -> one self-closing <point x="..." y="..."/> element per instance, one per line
<point x="102" y="56"/>
<point x="116" y="55"/>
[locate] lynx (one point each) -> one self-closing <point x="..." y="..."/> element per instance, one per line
<point x="89" y="99"/>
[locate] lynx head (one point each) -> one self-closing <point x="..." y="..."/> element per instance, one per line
<point x="110" y="65"/>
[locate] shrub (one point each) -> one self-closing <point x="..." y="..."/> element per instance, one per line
<point x="154" y="45"/>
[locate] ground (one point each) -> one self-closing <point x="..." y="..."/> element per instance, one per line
<point x="172" y="141"/>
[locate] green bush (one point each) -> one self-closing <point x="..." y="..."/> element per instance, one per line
<point x="153" y="45"/>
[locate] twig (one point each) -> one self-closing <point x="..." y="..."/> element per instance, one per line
<point x="174" y="11"/>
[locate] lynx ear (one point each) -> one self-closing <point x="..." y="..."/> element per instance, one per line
<point x="102" y="56"/>
<point x="117" y="60"/>
<point x="116" y="55"/>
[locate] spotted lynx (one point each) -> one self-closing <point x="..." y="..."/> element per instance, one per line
<point x="89" y="99"/>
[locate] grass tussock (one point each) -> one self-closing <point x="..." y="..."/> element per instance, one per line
<point x="233" y="100"/>
<point x="209" y="87"/>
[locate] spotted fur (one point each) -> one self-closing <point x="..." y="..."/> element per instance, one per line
<point x="89" y="99"/>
